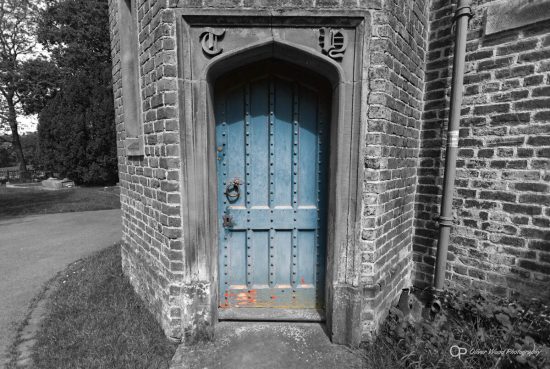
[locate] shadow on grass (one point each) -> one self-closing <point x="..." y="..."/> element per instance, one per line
<point x="95" y="320"/>
<point x="29" y="201"/>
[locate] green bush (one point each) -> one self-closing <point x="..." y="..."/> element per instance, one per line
<point x="77" y="131"/>
<point x="495" y="333"/>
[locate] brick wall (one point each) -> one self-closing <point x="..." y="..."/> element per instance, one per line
<point x="151" y="223"/>
<point x="501" y="239"/>
<point x="395" y="101"/>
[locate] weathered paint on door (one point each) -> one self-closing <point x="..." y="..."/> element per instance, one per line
<point x="272" y="128"/>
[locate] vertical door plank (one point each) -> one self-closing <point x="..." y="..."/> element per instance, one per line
<point x="283" y="143"/>
<point x="221" y="168"/>
<point x="322" y="192"/>
<point x="235" y="150"/>
<point x="259" y="252"/>
<point x="258" y="151"/>
<point x="282" y="259"/>
<point x="306" y="258"/>
<point x="236" y="244"/>
<point x="307" y="171"/>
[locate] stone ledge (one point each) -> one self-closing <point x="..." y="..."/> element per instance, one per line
<point x="512" y="14"/>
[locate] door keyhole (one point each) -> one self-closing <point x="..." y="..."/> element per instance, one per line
<point x="227" y="221"/>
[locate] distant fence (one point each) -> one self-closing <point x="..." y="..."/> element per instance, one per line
<point x="11" y="175"/>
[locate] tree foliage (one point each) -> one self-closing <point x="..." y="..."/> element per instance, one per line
<point x="76" y="130"/>
<point x="39" y="80"/>
<point x="76" y="32"/>
<point x="76" y="127"/>
<point x="29" y="143"/>
<point x="17" y="42"/>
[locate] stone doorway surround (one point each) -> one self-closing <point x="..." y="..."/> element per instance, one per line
<point x="211" y="43"/>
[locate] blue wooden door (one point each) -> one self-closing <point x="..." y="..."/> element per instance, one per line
<point x="272" y="125"/>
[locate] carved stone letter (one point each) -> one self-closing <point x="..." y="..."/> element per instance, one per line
<point x="333" y="42"/>
<point x="209" y="41"/>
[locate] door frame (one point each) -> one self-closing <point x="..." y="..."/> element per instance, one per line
<point x="343" y="298"/>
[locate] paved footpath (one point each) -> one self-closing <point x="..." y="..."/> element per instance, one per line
<point x="34" y="248"/>
<point x="267" y="345"/>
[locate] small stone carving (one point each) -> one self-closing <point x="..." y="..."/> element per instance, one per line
<point x="209" y="41"/>
<point x="333" y="42"/>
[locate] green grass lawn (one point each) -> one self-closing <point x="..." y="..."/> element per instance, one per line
<point x="28" y="201"/>
<point x="95" y="320"/>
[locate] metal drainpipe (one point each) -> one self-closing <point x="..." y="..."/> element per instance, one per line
<point x="462" y="16"/>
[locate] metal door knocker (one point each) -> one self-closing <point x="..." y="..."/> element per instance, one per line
<point x="232" y="190"/>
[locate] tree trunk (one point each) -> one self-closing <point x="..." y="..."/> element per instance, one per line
<point x="16" y="142"/>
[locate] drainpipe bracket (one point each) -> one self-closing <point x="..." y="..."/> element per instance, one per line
<point x="445" y="221"/>
<point x="463" y="11"/>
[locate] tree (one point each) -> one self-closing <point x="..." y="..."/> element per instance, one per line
<point x="76" y="33"/>
<point x="29" y="143"/>
<point x="76" y="128"/>
<point x="4" y="156"/>
<point x="17" y="41"/>
<point x="39" y="80"/>
<point x="76" y="132"/>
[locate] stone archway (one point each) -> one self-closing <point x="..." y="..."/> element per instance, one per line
<point x="198" y="72"/>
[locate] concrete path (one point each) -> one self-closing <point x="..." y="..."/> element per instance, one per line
<point x="34" y="248"/>
<point x="262" y="345"/>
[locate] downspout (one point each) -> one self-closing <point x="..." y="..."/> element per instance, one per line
<point x="462" y="16"/>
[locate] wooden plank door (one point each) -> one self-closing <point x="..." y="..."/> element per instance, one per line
<point x="272" y="125"/>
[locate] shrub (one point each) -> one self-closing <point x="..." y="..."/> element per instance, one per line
<point x="494" y="332"/>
